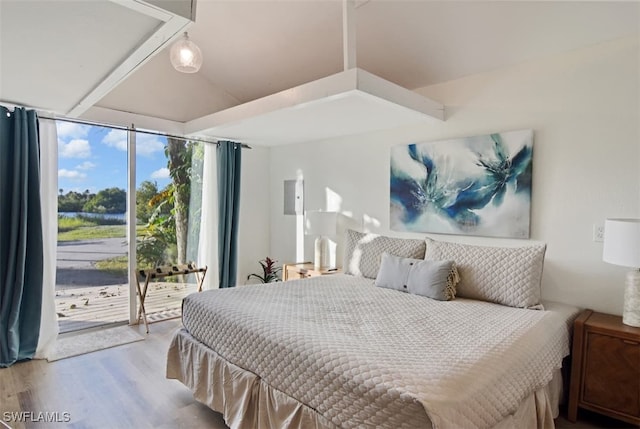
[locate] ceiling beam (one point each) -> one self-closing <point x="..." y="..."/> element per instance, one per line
<point x="349" y="34"/>
<point x="172" y="28"/>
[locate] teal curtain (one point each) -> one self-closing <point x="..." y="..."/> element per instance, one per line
<point x="229" y="158"/>
<point x="21" y="248"/>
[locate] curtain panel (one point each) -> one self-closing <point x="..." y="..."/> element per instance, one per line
<point x="229" y="159"/>
<point x="49" y="329"/>
<point x="21" y="242"/>
<point x="208" y="239"/>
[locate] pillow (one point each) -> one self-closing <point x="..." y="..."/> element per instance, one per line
<point x="504" y="275"/>
<point x="433" y="279"/>
<point x="362" y="252"/>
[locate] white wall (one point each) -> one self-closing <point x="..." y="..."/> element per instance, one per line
<point x="584" y="110"/>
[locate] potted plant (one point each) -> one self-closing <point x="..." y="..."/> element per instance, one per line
<point x="269" y="271"/>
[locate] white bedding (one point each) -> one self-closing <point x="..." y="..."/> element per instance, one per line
<point x="357" y="355"/>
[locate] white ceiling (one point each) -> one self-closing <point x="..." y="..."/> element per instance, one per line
<point x="52" y="52"/>
<point x="348" y="103"/>
<point x="63" y="56"/>
<point x="56" y="44"/>
<point x="255" y="48"/>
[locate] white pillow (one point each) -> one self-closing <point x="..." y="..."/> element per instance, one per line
<point x="504" y="275"/>
<point x="363" y="252"/>
<point x="434" y="279"/>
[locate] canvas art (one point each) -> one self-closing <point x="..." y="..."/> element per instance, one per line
<point x="477" y="185"/>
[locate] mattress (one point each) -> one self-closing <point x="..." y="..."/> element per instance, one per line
<point x="353" y="355"/>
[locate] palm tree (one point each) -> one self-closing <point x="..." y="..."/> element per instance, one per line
<point x="179" y="155"/>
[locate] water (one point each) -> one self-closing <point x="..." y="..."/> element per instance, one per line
<point x="118" y="216"/>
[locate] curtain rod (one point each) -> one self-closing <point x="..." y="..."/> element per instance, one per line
<point x="132" y="128"/>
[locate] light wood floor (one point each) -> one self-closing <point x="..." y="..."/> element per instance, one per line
<point x="125" y="387"/>
<point x="121" y="387"/>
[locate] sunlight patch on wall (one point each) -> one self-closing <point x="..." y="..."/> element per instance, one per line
<point x="370" y="223"/>
<point x="333" y="201"/>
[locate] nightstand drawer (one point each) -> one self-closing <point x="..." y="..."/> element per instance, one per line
<point x="605" y="369"/>
<point x="612" y="374"/>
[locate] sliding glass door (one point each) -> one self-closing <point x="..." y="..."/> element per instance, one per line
<point x="92" y="287"/>
<point x="168" y="212"/>
<point x="102" y="172"/>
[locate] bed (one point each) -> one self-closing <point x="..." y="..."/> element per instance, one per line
<point x="340" y="352"/>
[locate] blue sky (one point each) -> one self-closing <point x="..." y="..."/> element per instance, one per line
<point x="95" y="158"/>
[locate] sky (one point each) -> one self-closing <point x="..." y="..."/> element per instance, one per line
<point x="95" y="158"/>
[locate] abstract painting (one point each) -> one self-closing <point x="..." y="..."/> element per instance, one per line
<point x="477" y="185"/>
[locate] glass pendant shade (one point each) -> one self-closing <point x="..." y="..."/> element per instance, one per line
<point x="185" y="55"/>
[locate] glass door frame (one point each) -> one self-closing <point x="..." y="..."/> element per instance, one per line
<point x="131" y="224"/>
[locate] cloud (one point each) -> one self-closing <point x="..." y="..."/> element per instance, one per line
<point x="70" y="130"/>
<point x="71" y="174"/>
<point x="116" y="139"/>
<point x="74" y="149"/>
<point x="87" y="165"/>
<point x="146" y="144"/>
<point x="162" y="173"/>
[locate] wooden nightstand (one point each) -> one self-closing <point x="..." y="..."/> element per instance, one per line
<point x="605" y="370"/>
<point x="303" y="270"/>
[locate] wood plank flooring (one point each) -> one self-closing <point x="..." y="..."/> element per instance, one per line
<point x="125" y="387"/>
<point x="121" y="387"/>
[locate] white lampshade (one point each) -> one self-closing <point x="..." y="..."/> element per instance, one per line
<point x="622" y="247"/>
<point x="320" y="223"/>
<point x="622" y="242"/>
<point x="185" y="55"/>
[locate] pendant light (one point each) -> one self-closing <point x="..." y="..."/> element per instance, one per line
<point x="185" y="55"/>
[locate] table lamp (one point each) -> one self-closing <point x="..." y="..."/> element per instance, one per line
<point x="321" y="224"/>
<point x="622" y="247"/>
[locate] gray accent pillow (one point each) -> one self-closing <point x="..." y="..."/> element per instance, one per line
<point x="504" y="275"/>
<point x="433" y="279"/>
<point x="363" y="252"/>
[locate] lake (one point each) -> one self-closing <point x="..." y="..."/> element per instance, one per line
<point x="118" y="216"/>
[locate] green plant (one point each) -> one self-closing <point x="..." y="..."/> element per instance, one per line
<point x="117" y="266"/>
<point x="269" y="271"/>
<point x="66" y="223"/>
<point x="110" y="200"/>
<point x="157" y="242"/>
<point x="93" y="232"/>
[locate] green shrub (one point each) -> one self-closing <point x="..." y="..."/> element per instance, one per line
<point x="66" y="224"/>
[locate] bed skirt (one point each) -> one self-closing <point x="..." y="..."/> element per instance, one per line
<point x="247" y="402"/>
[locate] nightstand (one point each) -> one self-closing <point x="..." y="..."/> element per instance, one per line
<point x="605" y="370"/>
<point x="303" y="270"/>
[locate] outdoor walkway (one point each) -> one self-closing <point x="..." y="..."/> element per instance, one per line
<point x="85" y="307"/>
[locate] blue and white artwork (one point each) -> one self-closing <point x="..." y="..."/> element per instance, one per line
<point x="470" y="186"/>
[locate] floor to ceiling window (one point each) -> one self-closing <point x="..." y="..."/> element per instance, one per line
<point x="92" y="201"/>
<point x="168" y="213"/>
<point x="92" y="285"/>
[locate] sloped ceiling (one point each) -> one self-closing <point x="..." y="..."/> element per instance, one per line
<point x="52" y="52"/>
<point x="255" y="48"/>
<point x="63" y="56"/>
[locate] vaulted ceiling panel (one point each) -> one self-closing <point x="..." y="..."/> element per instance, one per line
<point x="66" y="56"/>
<point x="59" y="55"/>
